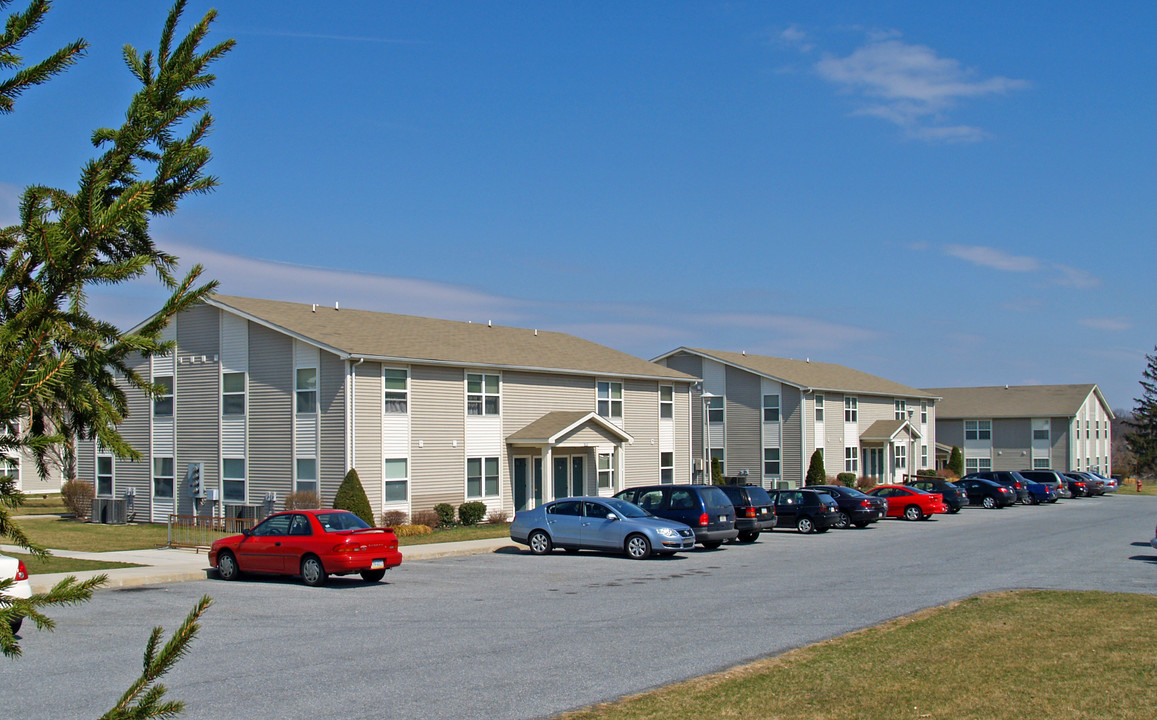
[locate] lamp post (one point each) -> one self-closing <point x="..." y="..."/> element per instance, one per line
<point x="705" y="398"/>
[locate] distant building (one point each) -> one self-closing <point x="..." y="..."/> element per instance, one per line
<point x="1064" y="427"/>
<point x="765" y="416"/>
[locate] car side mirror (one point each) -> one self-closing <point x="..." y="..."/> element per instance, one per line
<point x="247" y="532"/>
<point x="612" y="516"/>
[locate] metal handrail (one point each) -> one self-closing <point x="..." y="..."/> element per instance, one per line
<point x="195" y="531"/>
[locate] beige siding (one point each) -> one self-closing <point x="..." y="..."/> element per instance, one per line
<point x="528" y="396"/>
<point x="270" y="409"/>
<point x="743" y="411"/>
<point x="790" y="410"/>
<point x="684" y="412"/>
<point x="368" y="455"/>
<point x="1060" y="435"/>
<point x="875" y="408"/>
<point x="438" y="409"/>
<point x="641" y="413"/>
<point x="197" y="410"/>
<point x="692" y="365"/>
<point x="331" y="398"/>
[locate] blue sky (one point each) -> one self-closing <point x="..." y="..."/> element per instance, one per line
<point x="938" y="193"/>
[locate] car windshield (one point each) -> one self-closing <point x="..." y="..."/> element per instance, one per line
<point x="626" y="509"/>
<point x="338" y="521"/>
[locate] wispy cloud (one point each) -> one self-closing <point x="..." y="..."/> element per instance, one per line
<point x="997" y="259"/>
<point x="777" y="334"/>
<point x="1075" y="277"/>
<point x="1108" y="324"/>
<point x="908" y="85"/>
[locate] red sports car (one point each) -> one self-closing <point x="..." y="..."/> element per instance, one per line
<point x="312" y="543"/>
<point x="910" y="503"/>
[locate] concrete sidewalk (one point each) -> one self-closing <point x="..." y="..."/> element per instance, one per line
<point x="178" y="565"/>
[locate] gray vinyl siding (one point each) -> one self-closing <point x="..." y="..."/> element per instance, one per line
<point x="270" y="409"/>
<point x="1010" y="438"/>
<point x="641" y="416"/>
<point x="683" y="424"/>
<point x="437" y="417"/>
<point x="692" y="365"/>
<point x="1059" y="433"/>
<point x="834" y="440"/>
<point x="744" y="410"/>
<point x="197" y="413"/>
<point x="526" y="397"/>
<point x="791" y="448"/>
<point x="950" y="432"/>
<point x="331" y="398"/>
<point x="875" y="408"/>
<point x="135" y="430"/>
<point x="368" y="453"/>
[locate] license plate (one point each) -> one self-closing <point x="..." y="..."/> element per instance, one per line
<point x="763" y="511"/>
<point x="722" y="518"/>
<point x="377" y="564"/>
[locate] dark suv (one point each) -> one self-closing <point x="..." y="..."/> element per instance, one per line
<point x="954" y="497"/>
<point x="702" y="507"/>
<point x="754" y="511"/>
<point x="806" y="510"/>
<point x="856" y="508"/>
<point x="1009" y="478"/>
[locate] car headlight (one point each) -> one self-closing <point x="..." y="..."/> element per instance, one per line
<point x="668" y="532"/>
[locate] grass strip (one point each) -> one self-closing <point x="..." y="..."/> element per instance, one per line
<point x="56" y="564"/>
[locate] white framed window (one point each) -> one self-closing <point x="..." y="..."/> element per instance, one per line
<point x="972" y="465"/>
<point x="923" y="456"/>
<point x="923" y="413"/>
<point x="606" y="471"/>
<point x="10" y="467"/>
<point x="1040" y="463"/>
<point x="718" y="455"/>
<point x="233" y="393"/>
<point x="306" y="387"/>
<point x="163" y="478"/>
<point x="104" y="475"/>
<point x="715" y="409"/>
<point x="1040" y="434"/>
<point x="1086" y="429"/>
<point x="482" y="394"/>
<point x="397" y="477"/>
<point x="1097" y="428"/>
<point x="397" y="389"/>
<point x="233" y="479"/>
<point x="852" y="459"/>
<point x="901" y="456"/>
<point x="307" y="475"/>
<point x="481" y="477"/>
<point x="819" y="408"/>
<point x="771" y="465"/>
<point x="666" y="402"/>
<point x="163" y="402"/>
<point x="977" y="429"/>
<point x="851" y="409"/>
<point x="610" y="399"/>
<point x="901" y="409"/>
<point x="666" y="467"/>
<point x="771" y="408"/>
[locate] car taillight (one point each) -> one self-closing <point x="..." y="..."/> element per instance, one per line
<point x="703" y="520"/>
<point x="21" y="571"/>
<point x="749" y="512"/>
<point x="865" y="503"/>
<point x="346" y="547"/>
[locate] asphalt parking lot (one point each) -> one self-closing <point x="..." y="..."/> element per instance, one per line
<point x="510" y="635"/>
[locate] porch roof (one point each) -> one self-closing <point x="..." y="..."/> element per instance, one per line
<point x="548" y="429"/>
<point x="883" y="431"/>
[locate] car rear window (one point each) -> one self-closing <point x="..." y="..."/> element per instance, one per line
<point x="758" y="496"/>
<point x="715" y="499"/>
<point x="338" y="521"/>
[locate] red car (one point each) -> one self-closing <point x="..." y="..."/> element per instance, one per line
<point x="910" y="503"/>
<point x="312" y="543"/>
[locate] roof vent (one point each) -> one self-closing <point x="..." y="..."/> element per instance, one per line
<point x="315" y="307"/>
<point x="1006" y="386"/>
<point x="536" y="332"/>
<point x="488" y="324"/>
<point x="336" y="306"/>
<point x="743" y="353"/>
<point x="807" y="360"/>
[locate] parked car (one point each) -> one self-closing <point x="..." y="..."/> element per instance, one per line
<point x="856" y="508"/>
<point x="1039" y="492"/>
<point x="13" y="569"/>
<point x="1111" y="483"/>
<point x="703" y="508"/>
<point x="910" y="503"/>
<point x="597" y="523"/>
<point x="754" y="511"/>
<point x="311" y="543"/>
<point x="807" y="510"/>
<point x="1052" y="478"/>
<point x="954" y="497"/>
<point x="1010" y="478"/>
<point x="1094" y="484"/>
<point x="987" y="493"/>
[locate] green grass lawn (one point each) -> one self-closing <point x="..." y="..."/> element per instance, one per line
<point x="1006" y="656"/>
<point x="41" y="505"/>
<point x="39" y="566"/>
<point x="474" y="532"/>
<point x="66" y="534"/>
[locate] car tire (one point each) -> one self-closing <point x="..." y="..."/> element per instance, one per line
<point x="913" y="512"/>
<point x="638" y="547"/>
<point x="539" y="543"/>
<point x="227" y="566"/>
<point x="1031" y="500"/>
<point x="989" y="502"/>
<point x="748" y="536"/>
<point x="862" y="525"/>
<point x="843" y="522"/>
<point x="373" y="576"/>
<point x="312" y="571"/>
<point x="953" y="509"/>
<point x="713" y="545"/>
<point x="805" y="525"/>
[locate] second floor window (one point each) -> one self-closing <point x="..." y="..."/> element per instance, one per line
<point x="666" y="402"/>
<point x="901" y="409"/>
<point x="771" y="408"/>
<point x="819" y="408"/>
<point x="307" y="390"/>
<point x="977" y="429"/>
<point x="397" y="391"/>
<point x="610" y="397"/>
<point x="715" y="409"/>
<point x="233" y="394"/>
<point x="481" y="394"/>
<point x="924" y="413"/>
<point x="851" y="409"/>
<point x="163" y="402"/>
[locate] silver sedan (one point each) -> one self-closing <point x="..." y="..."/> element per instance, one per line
<point x="596" y="523"/>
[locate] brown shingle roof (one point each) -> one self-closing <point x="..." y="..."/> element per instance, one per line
<point x="815" y="375"/>
<point x="552" y="424"/>
<point x="1020" y="401"/>
<point x="378" y="335"/>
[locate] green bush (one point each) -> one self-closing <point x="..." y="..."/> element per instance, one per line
<point x="816" y="475"/>
<point x="445" y="514"/>
<point x="471" y="513"/>
<point x="716" y="472"/>
<point x="411" y="530"/>
<point x="847" y="479"/>
<point x="925" y="472"/>
<point x="956" y="461"/>
<point x="352" y="496"/>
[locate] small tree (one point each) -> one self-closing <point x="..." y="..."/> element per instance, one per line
<point x="1141" y="436"/>
<point x="352" y="496"/>
<point x="716" y="472"/>
<point x="816" y="475"/>
<point x="956" y="461"/>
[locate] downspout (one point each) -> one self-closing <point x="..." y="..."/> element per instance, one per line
<point x="350" y="414"/>
<point x="803" y="460"/>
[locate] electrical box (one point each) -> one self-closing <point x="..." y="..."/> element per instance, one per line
<point x="194" y="480"/>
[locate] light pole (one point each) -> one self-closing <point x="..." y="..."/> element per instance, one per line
<point x="705" y="399"/>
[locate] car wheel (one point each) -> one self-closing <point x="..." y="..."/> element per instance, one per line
<point x="372" y="576"/>
<point x="713" y="545"/>
<point x="805" y="525"/>
<point x="952" y="510"/>
<point x="312" y="571"/>
<point x="1031" y="500"/>
<point x="227" y="566"/>
<point x="861" y="525"/>
<point x="748" y="536"/>
<point x="15" y="624"/>
<point x="638" y="547"/>
<point x="912" y="512"/>
<point x="989" y="502"/>
<point x="539" y="543"/>
<point x="843" y="522"/>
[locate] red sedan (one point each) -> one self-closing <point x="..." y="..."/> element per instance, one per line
<point x="312" y="543"/>
<point x="910" y="503"/>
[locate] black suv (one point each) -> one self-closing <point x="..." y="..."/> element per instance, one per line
<point x="1010" y="479"/>
<point x="806" y="510"/>
<point x="754" y="511"/>
<point x="704" y="508"/>
<point x="954" y="497"/>
<point x="856" y="508"/>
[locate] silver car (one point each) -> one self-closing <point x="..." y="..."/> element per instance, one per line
<point x="597" y="523"/>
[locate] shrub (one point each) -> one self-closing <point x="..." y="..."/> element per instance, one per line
<point x="304" y="500"/>
<point x="497" y="517"/>
<point x="411" y="530"/>
<point x="956" y="461"/>
<point x="77" y="496"/>
<point x="846" y="478"/>
<point x="393" y="518"/>
<point x="947" y="474"/>
<point x="816" y="475"/>
<point x="445" y="514"/>
<point x="865" y="483"/>
<point x="352" y="496"/>
<point x="716" y="472"/>
<point x="471" y="513"/>
<point x="925" y="472"/>
<point x="429" y="518"/>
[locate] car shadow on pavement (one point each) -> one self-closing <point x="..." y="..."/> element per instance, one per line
<point x="333" y="582"/>
<point x="1151" y="559"/>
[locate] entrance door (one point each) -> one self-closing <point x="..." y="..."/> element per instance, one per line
<point x="561" y="465"/>
<point x="537" y="481"/>
<point x="521" y="483"/>
<point x="577" y="476"/>
<point x="874" y="463"/>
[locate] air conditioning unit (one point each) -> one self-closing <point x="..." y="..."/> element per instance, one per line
<point x="248" y="512"/>
<point x="108" y="511"/>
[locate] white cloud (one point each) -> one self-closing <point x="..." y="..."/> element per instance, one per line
<point x="782" y="333"/>
<point x="1075" y="277"/>
<point x="1108" y="324"/>
<point x="795" y="37"/>
<point x="993" y="258"/>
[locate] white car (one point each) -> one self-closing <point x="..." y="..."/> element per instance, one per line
<point x="1153" y="542"/>
<point x="12" y="568"/>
